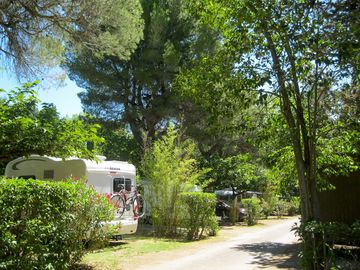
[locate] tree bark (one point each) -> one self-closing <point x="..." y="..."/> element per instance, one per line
<point x="303" y="143"/>
<point x="295" y="133"/>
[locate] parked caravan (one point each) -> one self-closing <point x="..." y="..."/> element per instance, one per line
<point x="105" y="176"/>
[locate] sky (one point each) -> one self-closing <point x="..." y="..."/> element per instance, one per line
<point x="64" y="97"/>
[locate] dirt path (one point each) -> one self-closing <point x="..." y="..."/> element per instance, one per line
<point x="270" y="245"/>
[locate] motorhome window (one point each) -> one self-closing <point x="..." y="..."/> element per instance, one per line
<point x="117" y="183"/>
<point x="126" y="183"/>
<point x="48" y="174"/>
<point x="27" y="177"/>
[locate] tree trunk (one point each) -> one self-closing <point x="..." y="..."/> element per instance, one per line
<point x="303" y="144"/>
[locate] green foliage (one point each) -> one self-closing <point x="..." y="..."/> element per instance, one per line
<point x="45" y="225"/>
<point x="323" y="236"/>
<point x="355" y="227"/>
<point x="119" y="144"/>
<point x="294" y="206"/>
<point x="283" y="171"/>
<point x="287" y="207"/>
<point x="280" y="207"/>
<point x="305" y="54"/>
<point x="339" y="149"/>
<point x="199" y="214"/>
<point x="240" y="172"/>
<point x="253" y="208"/>
<point x="268" y="205"/>
<point x="212" y="80"/>
<point x="168" y="169"/>
<point x="218" y="104"/>
<point x="27" y="129"/>
<point x="36" y="34"/>
<point x="139" y="91"/>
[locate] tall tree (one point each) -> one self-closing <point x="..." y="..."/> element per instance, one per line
<point x="216" y="112"/>
<point x="288" y="44"/>
<point x="35" y="33"/>
<point x="139" y="91"/>
<point x="296" y="47"/>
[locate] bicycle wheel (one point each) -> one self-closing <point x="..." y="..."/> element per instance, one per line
<point x="119" y="204"/>
<point x="139" y="206"/>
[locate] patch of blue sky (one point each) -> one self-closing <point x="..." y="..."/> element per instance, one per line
<point x="62" y="93"/>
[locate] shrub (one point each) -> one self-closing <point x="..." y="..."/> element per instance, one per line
<point x="253" y="208"/>
<point x="290" y="208"/>
<point x="267" y="208"/>
<point x="355" y="227"/>
<point x="199" y="214"/>
<point x="169" y="169"/>
<point x="294" y="206"/>
<point x="322" y="238"/>
<point x="281" y="208"/>
<point x="45" y="225"/>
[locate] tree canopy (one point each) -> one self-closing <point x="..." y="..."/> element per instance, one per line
<point x="286" y="48"/>
<point x="306" y="53"/>
<point x="139" y="91"/>
<point x="36" y="33"/>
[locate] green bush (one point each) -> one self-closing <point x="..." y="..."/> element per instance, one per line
<point x="281" y="208"/>
<point x="294" y="206"/>
<point x="169" y="168"/>
<point x="321" y="239"/>
<point x="267" y="208"/>
<point x="253" y="208"/>
<point x="290" y="208"/>
<point x="355" y="227"/>
<point x="45" y="225"/>
<point x="199" y="214"/>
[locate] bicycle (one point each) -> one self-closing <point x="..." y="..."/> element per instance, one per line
<point x="123" y="202"/>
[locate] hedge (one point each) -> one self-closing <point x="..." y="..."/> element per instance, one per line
<point x="199" y="213"/>
<point x="45" y="225"/>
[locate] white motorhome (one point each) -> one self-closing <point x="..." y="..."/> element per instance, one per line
<point x="104" y="176"/>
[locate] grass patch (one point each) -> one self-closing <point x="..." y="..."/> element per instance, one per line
<point x="124" y="252"/>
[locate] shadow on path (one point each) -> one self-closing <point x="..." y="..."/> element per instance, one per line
<point x="270" y="254"/>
